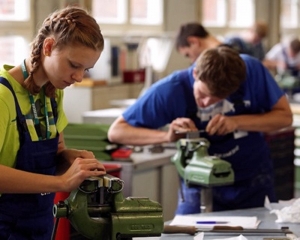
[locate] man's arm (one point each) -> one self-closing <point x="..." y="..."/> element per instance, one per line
<point x="122" y="132"/>
<point x="279" y="117"/>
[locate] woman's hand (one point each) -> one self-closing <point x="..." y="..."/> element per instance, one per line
<point x="67" y="156"/>
<point x="70" y="155"/>
<point x="81" y="169"/>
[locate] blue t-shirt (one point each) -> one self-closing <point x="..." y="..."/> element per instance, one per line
<point x="172" y="97"/>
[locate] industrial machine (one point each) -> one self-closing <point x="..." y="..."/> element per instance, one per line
<point x="98" y="211"/>
<point x="288" y="82"/>
<point x="196" y="167"/>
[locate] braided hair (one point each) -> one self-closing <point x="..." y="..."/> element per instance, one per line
<point x="70" y="25"/>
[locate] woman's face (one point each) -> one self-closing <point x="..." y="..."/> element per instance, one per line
<point x="68" y="65"/>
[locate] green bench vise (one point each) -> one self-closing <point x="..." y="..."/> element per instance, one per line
<point x="195" y="166"/>
<point x="98" y="210"/>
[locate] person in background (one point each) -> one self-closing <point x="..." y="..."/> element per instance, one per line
<point x="284" y="57"/>
<point x="230" y="96"/>
<point x="34" y="161"/>
<point x="250" y="41"/>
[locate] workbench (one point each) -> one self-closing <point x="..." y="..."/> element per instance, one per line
<point x="263" y="214"/>
<point x="152" y="175"/>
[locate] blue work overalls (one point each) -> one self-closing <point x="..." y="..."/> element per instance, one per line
<point x="29" y="216"/>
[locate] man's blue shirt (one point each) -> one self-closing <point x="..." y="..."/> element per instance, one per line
<point x="172" y="97"/>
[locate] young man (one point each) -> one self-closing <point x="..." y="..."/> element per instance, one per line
<point x="284" y="58"/>
<point x="232" y="97"/>
<point x="250" y="41"/>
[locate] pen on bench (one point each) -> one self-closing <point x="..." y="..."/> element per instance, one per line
<point x="211" y="222"/>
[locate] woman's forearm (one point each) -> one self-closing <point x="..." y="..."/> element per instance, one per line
<point x="16" y="181"/>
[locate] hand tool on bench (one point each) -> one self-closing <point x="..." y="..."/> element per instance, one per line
<point x="192" y="230"/>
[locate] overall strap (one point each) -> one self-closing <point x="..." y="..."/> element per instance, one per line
<point x="20" y="118"/>
<point x="237" y="98"/>
<point x="54" y="109"/>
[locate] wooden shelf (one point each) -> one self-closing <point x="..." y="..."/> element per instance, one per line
<point x="87" y="82"/>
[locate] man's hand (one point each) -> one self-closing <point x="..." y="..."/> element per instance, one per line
<point x="179" y="127"/>
<point x="221" y="125"/>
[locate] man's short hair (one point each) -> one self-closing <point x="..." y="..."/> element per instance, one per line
<point x="260" y="28"/>
<point x="192" y="29"/>
<point x="221" y="69"/>
<point x="295" y="45"/>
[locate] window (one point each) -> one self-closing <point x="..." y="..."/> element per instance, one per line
<point x="130" y="14"/>
<point x="16" y="48"/>
<point x="289" y="13"/>
<point x="110" y="11"/>
<point x="14" y="10"/>
<point x="241" y="13"/>
<point x="230" y="13"/>
<point x="213" y="13"/>
<point x="15" y="31"/>
<point x="148" y="12"/>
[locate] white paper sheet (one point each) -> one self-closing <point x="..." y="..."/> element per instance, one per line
<point x="240" y="237"/>
<point x="191" y="220"/>
<point x="200" y="236"/>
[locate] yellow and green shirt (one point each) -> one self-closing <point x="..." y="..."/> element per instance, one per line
<point x="9" y="135"/>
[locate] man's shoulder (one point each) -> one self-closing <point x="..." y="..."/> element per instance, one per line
<point x="176" y="77"/>
<point x="237" y="43"/>
<point x="248" y="59"/>
<point x="177" y="82"/>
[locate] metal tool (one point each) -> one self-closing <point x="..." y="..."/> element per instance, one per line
<point x="191" y="134"/>
<point x="98" y="210"/>
<point x="195" y="166"/>
<point x="191" y="230"/>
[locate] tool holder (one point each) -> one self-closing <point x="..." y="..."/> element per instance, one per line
<point x="196" y="167"/>
<point x="98" y="210"/>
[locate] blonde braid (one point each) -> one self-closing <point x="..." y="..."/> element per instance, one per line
<point x="37" y="45"/>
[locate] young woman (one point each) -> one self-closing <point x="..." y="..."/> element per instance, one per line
<point x="34" y="162"/>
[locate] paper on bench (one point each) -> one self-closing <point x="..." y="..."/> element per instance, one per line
<point x="192" y="219"/>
